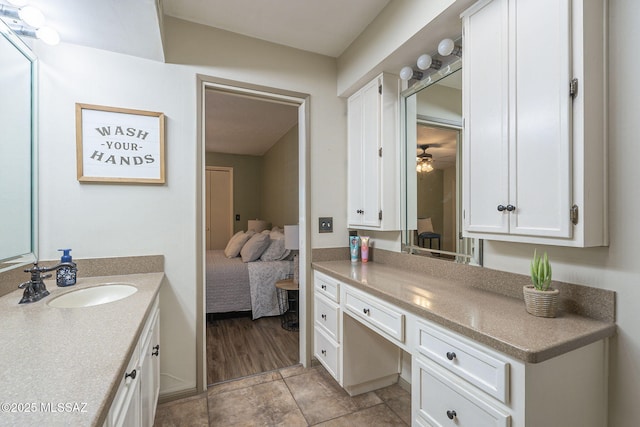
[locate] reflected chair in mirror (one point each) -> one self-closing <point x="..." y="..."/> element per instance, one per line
<point x="425" y="232"/>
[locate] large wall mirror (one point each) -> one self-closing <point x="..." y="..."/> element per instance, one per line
<point x="432" y="117"/>
<point x="18" y="224"/>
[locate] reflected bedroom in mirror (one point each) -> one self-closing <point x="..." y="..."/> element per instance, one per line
<point x="432" y="115"/>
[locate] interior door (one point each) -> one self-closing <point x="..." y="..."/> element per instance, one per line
<point x="219" y="206"/>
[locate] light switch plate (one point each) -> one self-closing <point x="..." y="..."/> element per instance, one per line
<point x="325" y="224"/>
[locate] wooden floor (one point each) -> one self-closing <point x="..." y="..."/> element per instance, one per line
<point x="238" y="347"/>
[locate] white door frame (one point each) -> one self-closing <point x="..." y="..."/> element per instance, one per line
<point x="300" y="100"/>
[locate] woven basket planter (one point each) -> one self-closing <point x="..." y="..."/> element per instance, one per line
<point x="541" y="303"/>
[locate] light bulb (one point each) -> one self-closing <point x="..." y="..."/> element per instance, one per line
<point x="445" y="47"/>
<point x="418" y="168"/>
<point x="424" y="61"/>
<point x="48" y="35"/>
<point x="406" y="73"/>
<point x="31" y="16"/>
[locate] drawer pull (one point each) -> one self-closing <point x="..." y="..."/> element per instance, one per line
<point x="451" y="414"/>
<point x="324" y="352"/>
<point x="324" y="316"/>
<point x="451" y="355"/>
<point x="132" y="374"/>
<point x="324" y="287"/>
<point x="366" y="311"/>
<point x="156" y="350"/>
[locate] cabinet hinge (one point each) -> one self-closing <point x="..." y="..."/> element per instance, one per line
<point x="573" y="88"/>
<point x="380" y="215"/>
<point x="380" y="89"/>
<point x="574" y="214"/>
<point x="380" y="152"/>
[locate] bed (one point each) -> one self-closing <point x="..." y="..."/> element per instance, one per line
<point x="233" y="285"/>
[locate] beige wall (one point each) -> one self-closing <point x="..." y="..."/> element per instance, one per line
<point x="112" y="220"/>
<point x="279" y="184"/>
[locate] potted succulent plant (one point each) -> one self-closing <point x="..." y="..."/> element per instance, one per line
<point x="539" y="298"/>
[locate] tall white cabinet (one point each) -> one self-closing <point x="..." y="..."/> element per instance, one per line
<point x="373" y="155"/>
<point x="534" y="134"/>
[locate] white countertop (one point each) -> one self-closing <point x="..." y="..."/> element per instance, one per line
<point x="62" y="366"/>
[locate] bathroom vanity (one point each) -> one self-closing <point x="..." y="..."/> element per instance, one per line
<point x="476" y="356"/>
<point x="92" y="366"/>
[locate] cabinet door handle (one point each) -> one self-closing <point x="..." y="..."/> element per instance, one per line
<point x="156" y="350"/>
<point x="511" y="208"/>
<point x="131" y="375"/>
<point x="366" y="311"/>
<point x="324" y="316"/>
<point x="451" y="355"/>
<point x="324" y="352"/>
<point x="501" y="208"/>
<point x="451" y="414"/>
<point x="324" y="287"/>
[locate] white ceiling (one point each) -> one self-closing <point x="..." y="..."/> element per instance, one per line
<point x="237" y="124"/>
<point x="326" y="27"/>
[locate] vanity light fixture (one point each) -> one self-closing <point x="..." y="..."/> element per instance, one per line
<point x="408" y="73"/>
<point x="28" y="21"/>
<point x="428" y="64"/>
<point x="426" y="61"/>
<point x="448" y="47"/>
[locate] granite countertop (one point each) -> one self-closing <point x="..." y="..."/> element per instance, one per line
<point x="62" y="366"/>
<point x="498" y="321"/>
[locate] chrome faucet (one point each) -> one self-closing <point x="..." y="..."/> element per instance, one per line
<point x="35" y="289"/>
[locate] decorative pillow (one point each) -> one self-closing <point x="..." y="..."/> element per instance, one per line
<point x="256" y="245"/>
<point x="236" y="243"/>
<point x="276" y="250"/>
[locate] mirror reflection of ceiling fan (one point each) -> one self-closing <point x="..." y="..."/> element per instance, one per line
<point x="424" y="160"/>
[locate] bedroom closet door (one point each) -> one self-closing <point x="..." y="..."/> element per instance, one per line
<point x="219" y="206"/>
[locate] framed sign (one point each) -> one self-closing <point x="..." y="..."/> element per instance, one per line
<point x="119" y="145"/>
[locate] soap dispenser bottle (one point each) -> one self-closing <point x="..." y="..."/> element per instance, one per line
<point x="65" y="275"/>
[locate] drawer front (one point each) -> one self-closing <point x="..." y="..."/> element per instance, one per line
<point x="327" y="315"/>
<point x="376" y="313"/>
<point x="325" y="285"/>
<point x="479" y="368"/>
<point x="442" y="402"/>
<point x="326" y="350"/>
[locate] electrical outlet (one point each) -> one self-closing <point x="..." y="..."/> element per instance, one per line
<point x="325" y="224"/>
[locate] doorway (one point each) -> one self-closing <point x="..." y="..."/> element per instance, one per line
<point x="298" y="101"/>
<point x="218" y="206"/>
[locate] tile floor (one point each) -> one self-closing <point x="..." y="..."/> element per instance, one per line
<point x="293" y="396"/>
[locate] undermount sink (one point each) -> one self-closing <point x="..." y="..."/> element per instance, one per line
<point x="97" y="295"/>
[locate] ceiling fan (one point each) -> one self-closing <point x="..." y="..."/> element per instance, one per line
<point x="424" y="160"/>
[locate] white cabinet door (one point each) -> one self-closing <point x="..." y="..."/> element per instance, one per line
<point x="540" y="120"/>
<point x="373" y="151"/>
<point x="517" y="106"/>
<point x="485" y="104"/>
<point x="136" y="399"/>
<point x="150" y="380"/>
<point x="363" y="124"/>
